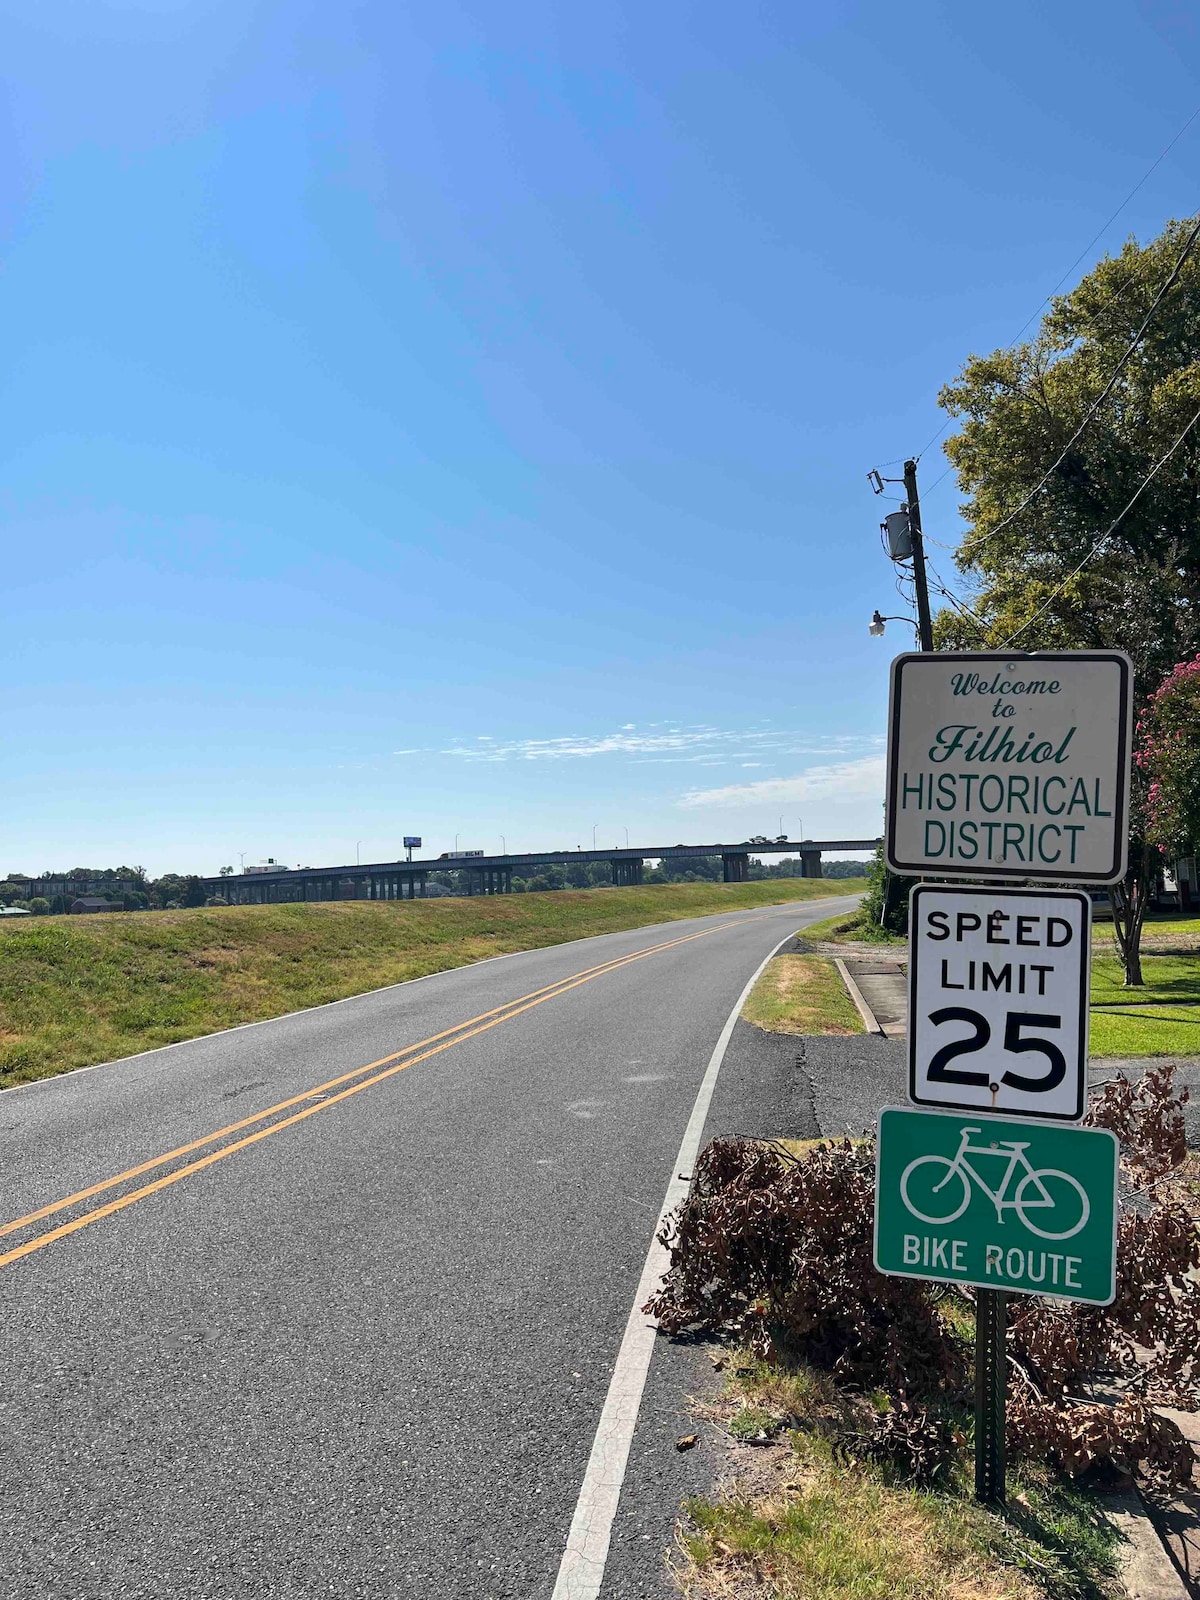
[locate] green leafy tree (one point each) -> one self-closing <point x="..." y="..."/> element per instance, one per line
<point x="885" y="904"/>
<point x="40" y="906"/>
<point x="1045" y="565"/>
<point x="193" y="895"/>
<point x="171" y="886"/>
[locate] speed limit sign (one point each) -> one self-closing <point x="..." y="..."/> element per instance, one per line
<point x="998" y="998"/>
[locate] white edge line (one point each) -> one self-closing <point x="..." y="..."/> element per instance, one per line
<point x="856" y="994"/>
<point x="581" y="1571"/>
<point x="404" y="983"/>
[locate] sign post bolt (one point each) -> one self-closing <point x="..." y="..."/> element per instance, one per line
<point x="991" y="1375"/>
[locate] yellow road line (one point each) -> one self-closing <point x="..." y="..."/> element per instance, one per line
<point x="449" y="1037"/>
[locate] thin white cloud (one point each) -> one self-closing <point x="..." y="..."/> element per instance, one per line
<point x="842" y="780"/>
<point x="661" y="742"/>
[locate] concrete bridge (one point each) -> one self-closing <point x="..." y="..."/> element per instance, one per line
<point x="406" y="880"/>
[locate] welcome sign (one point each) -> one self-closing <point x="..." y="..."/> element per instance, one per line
<point x="1005" y="765"/>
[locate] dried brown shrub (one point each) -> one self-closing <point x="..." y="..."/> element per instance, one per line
<point x="1147" y="1117"/>
<point x="1083" y="1437"/>
<point x="777" y="1251"/>
<point x="907" y="1439"/>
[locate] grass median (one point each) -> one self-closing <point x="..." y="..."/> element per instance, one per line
<point x="802" y="994"/>
<point x="76" y="990"/>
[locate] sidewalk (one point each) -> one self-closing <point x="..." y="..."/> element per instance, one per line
<point x="880" y="973"/>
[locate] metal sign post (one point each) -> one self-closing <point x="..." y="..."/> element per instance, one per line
<point x="1002" y="765"/>
<point x="991" y="1396"/>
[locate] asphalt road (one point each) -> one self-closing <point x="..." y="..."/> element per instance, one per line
<point x="363" y="1354"/>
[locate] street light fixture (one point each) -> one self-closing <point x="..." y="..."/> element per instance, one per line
<point x="595" y="825"/>
<point x="627" y="838"/>
<point x="503" y="845"/>
<point x="876" y="625"/>
<point x="357" y="858"/>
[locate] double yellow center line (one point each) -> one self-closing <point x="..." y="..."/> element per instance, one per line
<point x="311" y="1101"/>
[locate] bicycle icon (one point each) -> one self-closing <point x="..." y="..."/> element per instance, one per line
<point x="1033" y="1192"/>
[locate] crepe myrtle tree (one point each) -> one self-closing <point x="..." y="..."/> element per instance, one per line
<point x="1164" y="803"/>
<point x="1168" y="761"/>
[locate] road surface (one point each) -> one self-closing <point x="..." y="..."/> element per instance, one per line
<point x="345" y="1322"/>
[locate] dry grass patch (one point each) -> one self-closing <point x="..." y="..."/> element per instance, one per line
<point x="801" y="1518"/>
<point x="802" y="994"/>
<point x="839" y="1535"/>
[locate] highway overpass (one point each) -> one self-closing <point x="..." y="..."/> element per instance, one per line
<point x="406" y="880"/>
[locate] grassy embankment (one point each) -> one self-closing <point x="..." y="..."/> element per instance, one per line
<point x="1161" y="1019"/>
<point x="76" y="990"/>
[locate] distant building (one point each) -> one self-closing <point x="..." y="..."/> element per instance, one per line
<point x="94" y="902"/>
<point x="15" y="911"/>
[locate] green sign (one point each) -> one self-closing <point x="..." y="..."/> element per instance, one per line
<point x="1024" y="1207"/>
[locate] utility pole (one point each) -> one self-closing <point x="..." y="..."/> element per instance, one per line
<point x="991" y="1305"/>
<point x="924" y="620"/>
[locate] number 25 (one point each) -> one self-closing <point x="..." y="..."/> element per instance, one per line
<point x="940" y="1070"/>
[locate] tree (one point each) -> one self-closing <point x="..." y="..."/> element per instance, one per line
<point x="1046" y="567"/>
<point x="1168" y="754"/>
<point x="193" y="895"/>
<point x="226" y="872"/>
<point x="39" y="906"/>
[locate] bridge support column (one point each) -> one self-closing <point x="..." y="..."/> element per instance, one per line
<point x="735" y="868"/>
<point x="810" y="864"/>
<point x="626" y="871"/>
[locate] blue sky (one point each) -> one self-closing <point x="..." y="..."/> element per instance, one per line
<point x="453" y="418"/>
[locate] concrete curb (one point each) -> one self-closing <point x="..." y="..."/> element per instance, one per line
<point x="856" y="994"/>
<point x="1147" y="1571"/>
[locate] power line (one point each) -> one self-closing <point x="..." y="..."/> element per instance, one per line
<point x="1150" y="170"/>
<point x="1093" y="242"/>
<point x="1168" y="285"/>
<point x="1108" y="532"/>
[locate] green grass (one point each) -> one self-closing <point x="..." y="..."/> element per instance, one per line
<point x="844" y="1536"/>
<point x="802" y="994"/>
<point x="1160" y="927"/>
<point x="1161" y="1019"/>
<point x="808" y="1525"/>
<point x="76" y="990"/>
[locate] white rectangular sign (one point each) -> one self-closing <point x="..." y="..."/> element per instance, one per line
<point x="998" y="1000"/>
<point x="1002" y="765"/>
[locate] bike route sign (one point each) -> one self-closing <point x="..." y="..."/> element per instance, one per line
<point x="1022" y="1207"/>
<point x="1007" y="765"/>
<point x="998" y="999"/>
